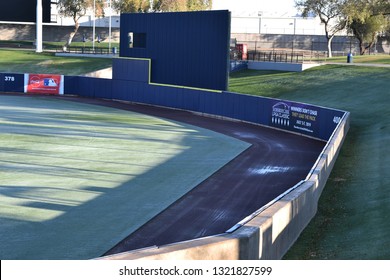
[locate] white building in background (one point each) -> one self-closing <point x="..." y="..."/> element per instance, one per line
<point x="254" y="8"/>
<point x="268" y="17"/>
<point x="248" y="16"/>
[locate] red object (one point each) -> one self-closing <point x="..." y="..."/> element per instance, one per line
<point x="44" y="83"/>
<point x="243" y="50"/>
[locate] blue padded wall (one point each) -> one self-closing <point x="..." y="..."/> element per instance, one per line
<point x="1" y="82"/>
<point x="136" y="70"/>
<point x="13" y="82"/>
<point x="311" y="120"/>
<point x="186" y="48"/>
<point x="71" y="84"/>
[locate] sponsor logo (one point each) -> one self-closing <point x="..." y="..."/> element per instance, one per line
<point x="281" y="114"/>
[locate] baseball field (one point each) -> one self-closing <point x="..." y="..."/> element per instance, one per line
<point x="70" y="172"/>
<point x="352" y="220"/>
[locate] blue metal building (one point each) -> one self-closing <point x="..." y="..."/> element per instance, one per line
<point x="186" y="48"/>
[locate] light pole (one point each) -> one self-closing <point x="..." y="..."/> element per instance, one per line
<point x="109" y="27"/>
<point x="93" y="24"/>
<point x="38" y="41"/>
<point x="293" y="42"/>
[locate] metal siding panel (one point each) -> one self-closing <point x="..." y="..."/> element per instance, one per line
<point x="103" y="88"/>
<point x="165" y="96"/>
<point x="188" y="49"/>
<point x="191" y="99"/>
<point x="248" y="108"/>
<point x="1" y="82"/>
<point x="86" y="87"/>
<point x="119" y="89"/>
<point x="71" y="85"/>
<point x="210" y="103"/>
<point x="227" y="100"/>
<point x="131" y="70"/>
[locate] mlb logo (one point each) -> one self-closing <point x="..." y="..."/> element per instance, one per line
<point x="49" y="82"/>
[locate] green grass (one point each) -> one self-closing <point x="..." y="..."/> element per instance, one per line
<point x="353" y="216"/>
<point x="374" y="59"/>
<point x="75" y="179"/>
<point x="17" y="61"/>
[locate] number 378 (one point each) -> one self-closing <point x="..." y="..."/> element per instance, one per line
<point x="9" y="78"/>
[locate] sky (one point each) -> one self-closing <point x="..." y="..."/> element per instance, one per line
<point x="278" y="8"/>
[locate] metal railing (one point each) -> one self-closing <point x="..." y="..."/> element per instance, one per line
<point x="277" y="56"/>
<point x="89" y="50"/>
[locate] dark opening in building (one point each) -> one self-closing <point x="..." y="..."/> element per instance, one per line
<point x="137" y="40"/>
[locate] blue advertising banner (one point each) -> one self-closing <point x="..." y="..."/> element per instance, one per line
<point x="295" y="116"/>
<point x="303" y="118"/>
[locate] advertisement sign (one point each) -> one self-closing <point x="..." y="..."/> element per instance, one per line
<point x="44" y="83"/>
<point x="297" y="117"/>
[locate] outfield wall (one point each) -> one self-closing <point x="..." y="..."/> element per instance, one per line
<point x="271" y="231"/>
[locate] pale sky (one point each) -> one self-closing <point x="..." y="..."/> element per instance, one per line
<point x="252" y="7"/>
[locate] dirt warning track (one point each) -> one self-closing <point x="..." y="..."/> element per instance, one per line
<point x="274" y="162"/>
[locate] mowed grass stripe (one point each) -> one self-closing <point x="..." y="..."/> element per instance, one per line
<point x="75" y="179"/>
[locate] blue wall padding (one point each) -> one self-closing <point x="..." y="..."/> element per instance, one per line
<point x="71" y="85"/>
<point x="86" y="86"/>
<point x="302" y="118"/>
<point x="135" y="70"/>
<point x="186" y="48"/>
<point x="1" y="82"/>
<point x="13" y="82"/>
<point x="103" y="88"/>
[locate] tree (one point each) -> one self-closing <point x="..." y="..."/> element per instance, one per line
<point x="199" y="5"/>
<point x="363" y="9"/>
<point x="76" y="9"/>
<point x="367" y="19"/>
<point x="367" y="30"/>
<point x="142" y="6"/>
<point x="331" y="14"/>
<point x="133" y="6"/>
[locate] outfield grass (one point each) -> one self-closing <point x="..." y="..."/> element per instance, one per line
<point x="17" y="61"/>
<point x="353" y="216"/>
<point x="76" y="179"/>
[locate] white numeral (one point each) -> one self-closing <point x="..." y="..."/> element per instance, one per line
<point x="9" y="78"/>
<point x="336" y="119"/>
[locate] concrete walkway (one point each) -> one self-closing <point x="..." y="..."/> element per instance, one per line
<point x="356" y="64"/>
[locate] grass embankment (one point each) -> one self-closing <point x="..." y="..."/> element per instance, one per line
<point x="17" y="61"/>
<point x="374" y="59"/>
<point x="353" y="216"/>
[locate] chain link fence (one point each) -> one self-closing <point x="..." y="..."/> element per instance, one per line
<point x="299" y="51"/>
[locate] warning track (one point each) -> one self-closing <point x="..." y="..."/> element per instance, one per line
<point x="275" y="161"/>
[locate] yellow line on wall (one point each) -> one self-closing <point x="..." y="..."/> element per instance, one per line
<point x="167" y="85"/>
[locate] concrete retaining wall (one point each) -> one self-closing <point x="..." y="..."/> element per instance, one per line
<point x="52" y="33"/>
<point x="269" y="234"/>
<point x="280" y="66"/>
